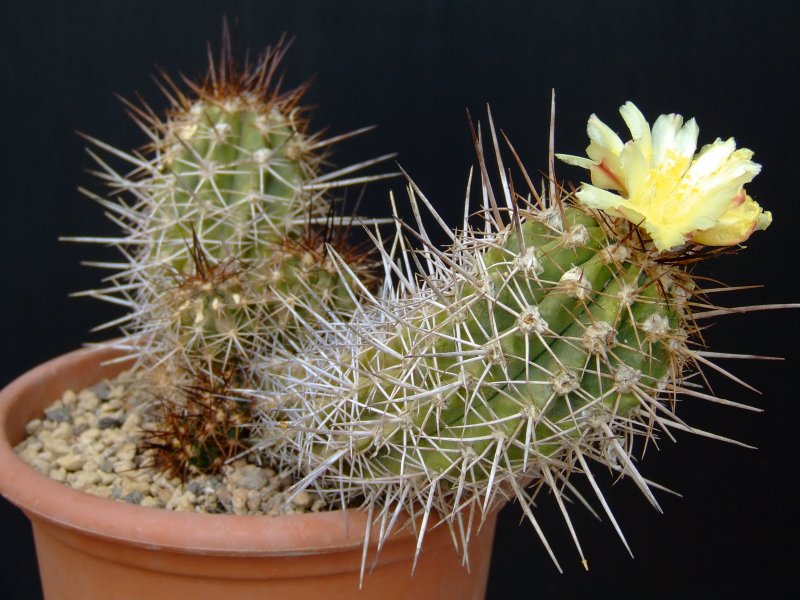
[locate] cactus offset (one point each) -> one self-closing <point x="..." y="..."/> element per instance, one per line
<point x="228" y="226"/>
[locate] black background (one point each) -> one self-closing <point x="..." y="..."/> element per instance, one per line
<point x="413" y="68"/>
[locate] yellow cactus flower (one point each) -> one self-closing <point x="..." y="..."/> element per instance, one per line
<point x="661" y="185"/>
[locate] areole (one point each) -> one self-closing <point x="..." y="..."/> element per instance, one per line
<point x="94" y="548"/>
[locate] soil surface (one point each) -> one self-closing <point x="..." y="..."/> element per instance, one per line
<point x="91" y="439"/>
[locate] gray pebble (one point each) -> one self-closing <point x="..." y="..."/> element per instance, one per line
<point x="79" y="429"/>
<point x="102" y="390"/>
<point x="134" y="498"/>
<point x="109" y="422"/>
<point x="196" y="487"/>
<point x="225" y="499"/>
<point x="58" y="415"/>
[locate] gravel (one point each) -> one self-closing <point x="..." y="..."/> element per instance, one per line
<point x="90" y="439"/>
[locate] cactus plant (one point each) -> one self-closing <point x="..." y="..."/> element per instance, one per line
<point x="555" y="333"/>
<point x="228" y="224"/>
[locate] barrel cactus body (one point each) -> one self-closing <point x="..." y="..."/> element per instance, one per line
<point x="549" y="337"/>
<point x="526" y="351"/>
<point x="229" y="230"/>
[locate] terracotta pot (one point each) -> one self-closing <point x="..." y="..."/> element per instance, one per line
<point x="91" y="547"/>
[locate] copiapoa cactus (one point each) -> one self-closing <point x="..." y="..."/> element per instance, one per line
<point x="228" y="223"/>
<point x="556" y="332"/>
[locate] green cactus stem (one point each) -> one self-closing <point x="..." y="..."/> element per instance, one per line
<point x="228" y="228"/>
<point x="548" y="337"/>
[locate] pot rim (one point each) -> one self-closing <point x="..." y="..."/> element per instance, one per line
<point x="156" y="528"/>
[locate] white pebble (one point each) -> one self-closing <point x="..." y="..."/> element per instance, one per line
<point x="59" y="474"/>
<point x="69" y="398"/>
<point x="100" y="490"/>
<point x="85" y="479"/>
<point x="127" y="452"/>
<point x="71" y="462"/>
<point x="132" y="423"/>
<point x="182" y="501"/>
<point x="254" y="499"/>
<point x="34" y="426"/>
<point x="249" y="477"/>
<point x="239" y="501"/>
<point x="131" y="487"/>
<point x="150" y="502"/>
<point x="88" y="401"/>
<point x="302" y="499"/>
<point x="58" y="447"/>
<point x="63" y="431"/>
<point x="89" y="436"/>
<point x="123" y="466"/>
<point x="107" y="479"/>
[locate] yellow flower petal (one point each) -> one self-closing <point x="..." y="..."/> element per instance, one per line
<point x="635" y="165"/>
<point x="595" y="197"/>
<point x="666" y="236"/>
<point x="665" y="129"/>
<point x="736" y="225"/>
<point x="639" y="128"/>
<point x="710" y="158"/>
<point x="576" y="161"/>
<point x="686" y="139"/>
<point x="602" y="136"/>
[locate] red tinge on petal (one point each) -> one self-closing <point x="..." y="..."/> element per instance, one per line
<point x="738" y="198"/>
<point x="603" y="167"/>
